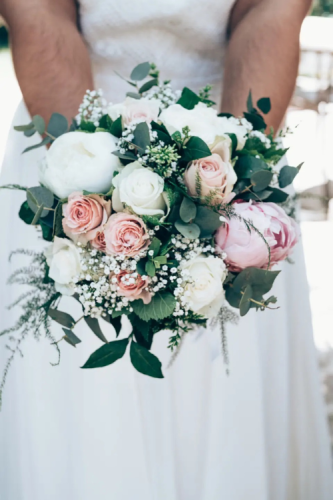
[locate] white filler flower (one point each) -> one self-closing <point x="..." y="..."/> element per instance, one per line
<point x="79" y="161"/>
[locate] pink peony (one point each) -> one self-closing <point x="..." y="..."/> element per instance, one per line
<point x="133" y="286"/>
<point x="246" y="249"/>
<point x="211" y="177"/>
<point x="125" y="234"/>
<point x="84" y="216"/>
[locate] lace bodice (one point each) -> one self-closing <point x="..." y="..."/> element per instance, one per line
<point x="185" y="38"/>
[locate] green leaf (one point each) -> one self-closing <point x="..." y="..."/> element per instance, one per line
<point x="190" y="231"/>
<point x="261" y="179"/>
<point x="23" y="128"/>
<point x="249" y="103"/>
<point x="207" y="220"/>
<point x="71" y="338"/>
<point x="45" y="141"/>
<point x="144" y="361"/>
<point x="105" y="122"/>
<point x="141" y="267"/>
<point x="26" y="214"/>
<point x="62" y="318"/>
<point x="234" y="141"/>
<point x="140" y="71"/>
<point x="114" y="321"/>
<point x="58" y="125"/>
<point x="161" y="306"/>
<point x="39" y="124"/>
<point x="95" y="328"/>
<point x="264" y="104"/>
<point x="46" y="231"/>
<point x="245" y="304"/>
<point x="257" y="278"/>
<point x="57" y="223"/>
<point x="148" y="85"/>
<point x="161" y="259"/>
<point x="195" y="149"/>
<point x="247" y="165"/>
<point x="277" y="196"/>
<point x="150" y="268"/>
<point x="141" y="136"/>
<point x="107" y="354"/>
<point x="116" y="127"/>
<point x="287" y="175"/>
<point x="257" y="120"/>
<point x="37" y="216"/>
<point x="30" y="132"/>
<point x="155" y="246"/>
<point x="125" y="156"/>
<point x="225" y="115"/>
<point x="87" y="126"/>
<point x="188" y="210"/>
<point x="134" y="95"/>
<point x="37" y="196"/>
<point x="188" y="99"/>
<point x="142" y="331"/>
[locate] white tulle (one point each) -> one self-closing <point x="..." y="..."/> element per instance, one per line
<point x="70" y="434"/>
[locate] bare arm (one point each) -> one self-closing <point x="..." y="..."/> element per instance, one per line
<point x="263" y="54"/>
<point x="50" y="58"/>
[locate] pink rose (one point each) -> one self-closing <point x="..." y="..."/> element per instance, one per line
<point x="84" y="216"/>
<point x="125" y="234"/>
<point x="212" y="177"/>
<point x="133" y="286"/>
<point x="245" y="248"/>
<point x="99" y="241"/>
<point x="135" y="110"/>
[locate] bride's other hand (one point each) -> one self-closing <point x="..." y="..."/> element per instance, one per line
<point x="263" y="54"/>
<point x="51" y="60"/>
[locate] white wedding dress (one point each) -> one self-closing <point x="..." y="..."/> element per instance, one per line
<point x="113" y="434"/>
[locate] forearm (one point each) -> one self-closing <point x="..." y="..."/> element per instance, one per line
<point x="263" y="55"/>
<point x="50" y="59"/>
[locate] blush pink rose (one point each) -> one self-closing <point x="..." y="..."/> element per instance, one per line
<point x="84" y="215"/>
<point x="211" y="177"/>
<point x="135" y="110"/>
<point x="133" y="286"/>
<point x="125" y="234"/>
<point x="246" y="249"/>
<point x="99" y="241"/>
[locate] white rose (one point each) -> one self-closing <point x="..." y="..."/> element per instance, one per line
<point x="202" y="121"/>
<point x="79" y="161"/>
<point x="204" y="292"/>
<point x="63" y="259"/>
<point x="238" y="126"/>
<point x="139" y="188"/>
<point x="135" y="110"/>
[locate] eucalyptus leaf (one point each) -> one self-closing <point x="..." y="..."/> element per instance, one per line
<point x="107" y="354"/>
<point x="144" y="361"/>
<point x="44" y="142"/>
<point x="134" y="95"/>
<point x="148" y="85"/>
<point x="140" y="71"/>
<point x="245" y="304"/>
<point x="161" y="306"/>
<point x="261" y="179"/>
<point x="37" y="196"/>
<point x="141" y="136"/>
<point x="207" y="220"/>
<point x="190" y="231"/>
<point x="287" y="175"/>
<point x="38" y="215"/>
<point x="58" y="125"/>
<point x="39" y="124"/>
<point x="125" y="156"/>
<point x="23" y="128"/>
<point x="277" y="195"/>
<point x="247" y="165"/>
<point x="30" y="132"/>
<point x="62" y="318"/>
<point x="188" y="210"/>
<point x="95" y="328"/>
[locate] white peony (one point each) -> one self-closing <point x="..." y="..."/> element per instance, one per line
<point x="79" y="161"/>
<point x="63" y="259"/>
<point x="204" y="293"/>
<point x="202" y="121"/>
<point x="238" y="126"/>
<point x="140" y="189"/>
<point x="135" y="110"/>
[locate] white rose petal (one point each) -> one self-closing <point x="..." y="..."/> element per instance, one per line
<point x="139" y="188"/>
<point x="79" y="161"/>
<point x="135" y="110"/>
<point x="204" y="293"/>
<point x="238" y="126"/>
<point x="63" y="258"/>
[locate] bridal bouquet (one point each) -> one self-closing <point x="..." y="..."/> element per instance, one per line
<point x="158" y="208"/>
